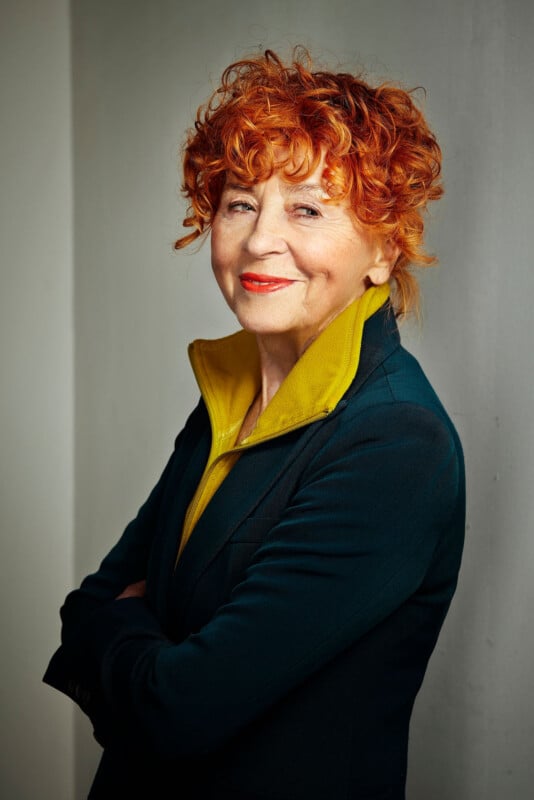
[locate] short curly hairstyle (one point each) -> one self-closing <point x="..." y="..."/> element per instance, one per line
<point x="379" y="151"/>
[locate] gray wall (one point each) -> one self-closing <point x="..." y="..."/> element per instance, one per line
<point x="139" y="71"/>
<point x="36" y="395"/>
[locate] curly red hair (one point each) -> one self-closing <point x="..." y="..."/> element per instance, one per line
<point x="380" y="152"/>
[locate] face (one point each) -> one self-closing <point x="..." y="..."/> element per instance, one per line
<point x="287" y="261"/>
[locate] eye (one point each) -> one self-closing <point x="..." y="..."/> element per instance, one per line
<point x="306" y="211"/>
<point x="240" y="206"/>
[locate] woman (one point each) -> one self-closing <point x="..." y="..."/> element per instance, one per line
<point x="263" y="626"/>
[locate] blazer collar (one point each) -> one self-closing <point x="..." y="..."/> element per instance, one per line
<point x="380" y="338"/>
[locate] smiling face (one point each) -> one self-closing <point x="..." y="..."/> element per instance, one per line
<point x="288" y="261"/>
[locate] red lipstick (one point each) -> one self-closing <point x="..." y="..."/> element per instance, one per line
<point x="262" y="284"/>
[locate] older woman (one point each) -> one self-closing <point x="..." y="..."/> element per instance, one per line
<point x="263" y="625"/>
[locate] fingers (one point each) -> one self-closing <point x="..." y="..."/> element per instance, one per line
<point x="137" y="589"/>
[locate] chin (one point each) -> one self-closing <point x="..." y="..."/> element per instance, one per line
<point x="268" y="327"/>
<point x="264" y="330"/>
<point x="261" y="324"/>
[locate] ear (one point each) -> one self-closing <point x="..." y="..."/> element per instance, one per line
<point x="385" y="258"/>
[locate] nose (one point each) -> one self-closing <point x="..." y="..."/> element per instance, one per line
<point x="266" y="236"/>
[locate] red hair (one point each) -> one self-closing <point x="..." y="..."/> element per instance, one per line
<point x="380" y="153"/>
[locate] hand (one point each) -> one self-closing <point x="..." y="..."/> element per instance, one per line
<point x="137" y="589"/>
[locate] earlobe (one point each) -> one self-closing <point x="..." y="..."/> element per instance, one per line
<point x="386" y="256"/>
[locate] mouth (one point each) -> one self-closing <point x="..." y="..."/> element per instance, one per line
<point x="263" y="284"/>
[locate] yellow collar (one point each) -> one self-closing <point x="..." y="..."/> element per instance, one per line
<point x="228" y="374"/>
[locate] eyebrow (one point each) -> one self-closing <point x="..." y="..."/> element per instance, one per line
<point x="238" y="187"/>
<point x="304" y="187"/>
<point x="292" y="188"/>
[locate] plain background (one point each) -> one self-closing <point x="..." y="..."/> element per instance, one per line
<point x="96" y="312"/>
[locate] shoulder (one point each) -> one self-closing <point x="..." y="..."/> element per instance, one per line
<point x="394" y="427"/>
<point x="387" y="372"/>
<point x="391" y="390"/>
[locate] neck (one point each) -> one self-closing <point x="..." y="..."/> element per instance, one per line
<point x="277" y="359"/>
<point x="278" y="356"/>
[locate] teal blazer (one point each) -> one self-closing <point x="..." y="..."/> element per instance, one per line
<point x="281" y="658"/>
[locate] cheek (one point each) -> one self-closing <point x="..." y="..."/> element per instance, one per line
<point x="220" y="275"/>
<point x="218" y="258"/>
<point x="223" y="248"/>
<point x="221" y="267"/>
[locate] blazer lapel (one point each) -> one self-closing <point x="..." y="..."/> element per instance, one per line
<point x="258" y="469"/>
<point x="249" y="482"/>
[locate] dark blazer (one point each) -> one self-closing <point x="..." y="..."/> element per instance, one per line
<point x="281" y="658"/>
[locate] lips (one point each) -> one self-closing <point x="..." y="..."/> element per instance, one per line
<point x="263" y="284"/>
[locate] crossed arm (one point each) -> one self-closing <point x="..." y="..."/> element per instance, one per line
<point x="353" y="546"/>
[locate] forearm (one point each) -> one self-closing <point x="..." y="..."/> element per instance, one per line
<point x="343" y="557"/>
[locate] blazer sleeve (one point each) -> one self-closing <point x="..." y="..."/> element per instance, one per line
<point x="127" y="561"/>
<point x="69" y="670"/>
<point x="354" y="544"/>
